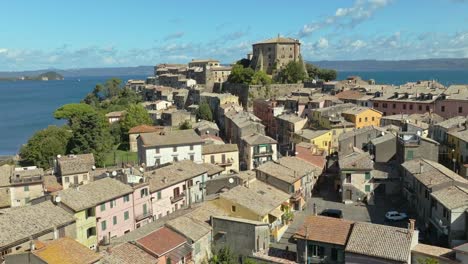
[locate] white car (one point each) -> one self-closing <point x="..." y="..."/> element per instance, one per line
<point x="395" y="216"/>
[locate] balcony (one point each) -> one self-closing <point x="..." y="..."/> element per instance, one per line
<point x="143" y="216"/>
<point x="225" y="163"/>
<point x="267" y="152"/>
<point x="178" y="198"/>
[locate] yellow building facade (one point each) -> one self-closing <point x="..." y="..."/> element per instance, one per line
<point x="363" y="116"/>
<point x="86" y="228"/>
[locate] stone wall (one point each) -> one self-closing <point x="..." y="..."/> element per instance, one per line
<point x="247" y="93"/>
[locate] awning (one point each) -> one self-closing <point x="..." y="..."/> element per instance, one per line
<point x="276" y="213"/>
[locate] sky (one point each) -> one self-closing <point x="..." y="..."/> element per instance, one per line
<point x="103" y="33"/>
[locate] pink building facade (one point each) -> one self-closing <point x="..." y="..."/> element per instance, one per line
<point x="142" y="205"/>
<point x="168" y="200"/>
<point x="115" y="217"/>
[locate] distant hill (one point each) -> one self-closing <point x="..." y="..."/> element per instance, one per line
<point x="398" y="65"/>
<point x="46" y="76"/>
<point x="84" y="72"/>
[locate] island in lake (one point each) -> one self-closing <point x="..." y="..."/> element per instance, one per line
<point x="46" y="76"/>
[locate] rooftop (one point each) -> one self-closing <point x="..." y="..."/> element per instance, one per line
<point x="74" y="164"/>
<point x="349" y="95"/>
<point x="145" y="129"/>
<point x="357" y="110"/>
<point x="115" y="114"/>
<point x="452" y="197"/>
<point x="431" y="173"/>
<point x="452" y="122"/>
<point x="161" y="241"/>
<point x="311" y="134"/>
<point x="65" y="250"/>
<point x="433" y="251"/>
<point x="171" y="138"/>
<point x="241" y="220"/>
<point x="219" y="148"/>
<point x="291" y="118"/>
<point x="174" y="173"/>
<point x="279" y="39"/>
<point x="212" y="169"/>
<point x="318" y="228"/>
<point x="93" y="193"/>
<point x="296" y="164"/>
<point x="20" y="223"/>
<point x="257" y="139"/>
<point x="189" y="227"/>
<point x="203" y="124"/>
<point x="259" y="197"/>
<point x="280" y="172"/>
<point x="386" y="242"/>
<point x="127" y="253"/>
<point x="356" y="161"/>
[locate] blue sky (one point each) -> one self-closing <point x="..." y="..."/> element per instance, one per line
<point x="103" y="33"/>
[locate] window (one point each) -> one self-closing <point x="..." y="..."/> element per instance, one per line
<point x="427" y="108"/>
<point x="126" y="198"/>
<point x="360" y="120"/>
<point x="368" y="176"/>
<point x="103" y="207"/>
<point x="348" y="178"/>
<point x="175" y="158"/>
<point x="233" y="208"/>
<point x="103" y="225"/>
<point x="67" y="180"/>
<point x="426" y="194"/>
<point x="114" y="220"/>
<point x="316" y="251"/>
<point x="373" y="118"/>
<point x="365" y="119"/>
<point x="376" y="104"/>
<point x="112" y="203"/>
<point x="145" y="209"/>
<point x="334" y="254"/>
<point x="410" y="107"/>
<point x="157" y="150"/>
<point x="89" y="212"/>
<point x="419" y="107"/>
<point x="192" y="157"/>
<point x="394" y="106"/>
<point x="367" y="188"/>
<point x="90" y="232"/>
<point x="191" y="147"/>
<point x="409" y="155"/>
<point x="158" y="195"/>
<point x="157" y="162"/>
<point x="445" y="212"/>
<point x="460" y="109"/>
<point x="174" y="149"/>
<point x="442" y="108"/>
<point x="404" y="106"/>
<point x="212" y="159"/>
<point x="26" y="188"/>
<point x="143" y="193"/>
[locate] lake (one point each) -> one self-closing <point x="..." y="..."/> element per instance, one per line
<point x="27" y="106"/>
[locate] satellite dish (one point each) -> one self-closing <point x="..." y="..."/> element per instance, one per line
<point x="59" y="156"/>
<point x="141" y="169"/>
<point x="94" y="167"/>
<point x="58" y="199"/>
<point x="114" y="173"/>
<point x="418" y="133"/>
<point x="231" y="180"/>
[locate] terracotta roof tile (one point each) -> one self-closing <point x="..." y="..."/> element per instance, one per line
<point x="162" y="241"/>
<point x="66" y="250"/>
<point x="127" y="253"/>
<point x="145" y="129"/>
<point x="325" y="229"/>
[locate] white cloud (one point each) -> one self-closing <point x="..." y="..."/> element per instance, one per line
<point x="322" y="43"/>
<point x="3" y="50"/>
<point x="358" y="44"/>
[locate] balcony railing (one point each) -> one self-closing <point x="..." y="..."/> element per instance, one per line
<point x="178" y="198"/>
<point x="20" y="180"/>
<point x="143" y="216"/>
<point x="227" y="162"/>
<point x="263" y="153"/>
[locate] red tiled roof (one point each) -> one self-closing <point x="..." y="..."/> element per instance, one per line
<point x="325" y="229"/>
<point x="161" y="241"/>
<point x="208" y="136"/>
<point x="349" y="94"/>
<point x="145" y="129"/>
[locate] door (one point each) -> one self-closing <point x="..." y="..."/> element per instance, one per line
<point x="348" y="195"/>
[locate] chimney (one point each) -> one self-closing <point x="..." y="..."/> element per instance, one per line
<point x="411" y="225"/>
<point x="421" y="167"/>
<point x="32" y="246"/>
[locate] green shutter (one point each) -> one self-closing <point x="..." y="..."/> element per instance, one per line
<point x="367" y="188"/>
<point x="26" y="188"/>
<point x="409" y="155"/>
<point x="368" y="176"/>
<point x="145" y="210"/>
<point x="159" y="195"/>
<point x="103" y="207"/>
<point x="126" y="215"/>
<point x="114" y="220"/>
<point x="103" y="225"/>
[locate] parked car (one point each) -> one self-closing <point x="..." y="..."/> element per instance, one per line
<point x="336" y="213"/>
<point x="395" y="216"/>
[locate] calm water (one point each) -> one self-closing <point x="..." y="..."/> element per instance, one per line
<point x="27" y="106"/>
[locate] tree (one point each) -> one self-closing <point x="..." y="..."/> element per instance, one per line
<point x="293" y="73"/>
<point x="185" y="125"/>
<point x="223" y="256"/>
<point x="90" y="135"/>
<point x="239" y="74"/>
<point x="204" y="112"/>
<point x="312" y="70"/>
<point x="135" y="115"/>
<point x="44" y="145"/>
<point x="327" y="74"/>
<point x="69" y="111"/>
<point x="427" y="261"/>
<point x="244" y="62"/>
<point x="260" y="77"/>
<point x="112" y="88"/>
